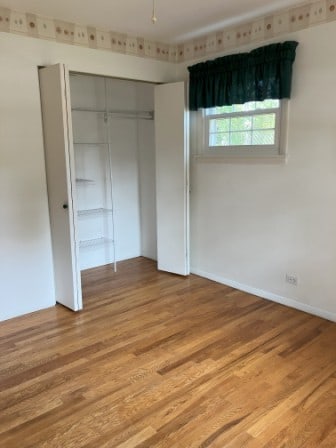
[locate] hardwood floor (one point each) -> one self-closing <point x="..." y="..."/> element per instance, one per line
<point x="156" y="360"/>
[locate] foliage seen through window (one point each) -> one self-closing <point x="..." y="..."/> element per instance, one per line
<point x="250" y="124"/>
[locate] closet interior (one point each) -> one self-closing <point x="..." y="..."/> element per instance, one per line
<point x="114" y="154"/>
<point x="116" y="189"/>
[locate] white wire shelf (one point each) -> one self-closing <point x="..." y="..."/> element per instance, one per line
<point x="91" y="143"/>
<point x="94" y="211"/>
<point x="95" y="242"/>
<point x="82" y="181"/>
<point x="141" y="114"/>
<point x="83" y="109"/>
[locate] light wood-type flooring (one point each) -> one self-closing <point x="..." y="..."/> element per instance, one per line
<point x="156" y="360"/>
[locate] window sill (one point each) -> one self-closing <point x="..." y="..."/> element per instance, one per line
<point x="238" y="159"/>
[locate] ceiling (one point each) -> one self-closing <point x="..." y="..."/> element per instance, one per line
<point x="177" y="20"/>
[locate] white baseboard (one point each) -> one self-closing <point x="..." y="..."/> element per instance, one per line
<point x="268" y="295"/>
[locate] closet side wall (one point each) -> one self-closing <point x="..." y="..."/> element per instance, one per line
<point x="121" y="96"/>
<point x="146" y="157"/>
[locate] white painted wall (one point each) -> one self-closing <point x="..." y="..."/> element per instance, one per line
<point x="250" y="223"/>
<point x="26" y="277"/>
<point x="253" y="223"/>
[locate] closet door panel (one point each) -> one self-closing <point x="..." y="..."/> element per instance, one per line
<point x="146" y="151"/>
<point x="57" y="130"/>
<point x="123" y="138"/>
<point x="172" y="188"/>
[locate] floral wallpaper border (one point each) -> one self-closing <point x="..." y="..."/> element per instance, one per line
<point x="277" y="24"/>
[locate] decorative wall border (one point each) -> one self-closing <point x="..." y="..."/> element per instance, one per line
<point x="85" y="36"/>
<point x="267" y="27"/>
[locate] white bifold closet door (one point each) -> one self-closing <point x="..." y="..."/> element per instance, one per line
<point x="172" y="189"/>
<point x="59" y="157"/>
<point x="172" y="178"/>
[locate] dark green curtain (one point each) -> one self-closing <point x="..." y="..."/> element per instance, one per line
<point x="264" y="73"/>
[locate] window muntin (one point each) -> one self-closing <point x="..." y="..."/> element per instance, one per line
<point x="253" y="126"/>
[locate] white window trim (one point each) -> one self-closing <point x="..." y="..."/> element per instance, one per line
<point x="264" y="153"/>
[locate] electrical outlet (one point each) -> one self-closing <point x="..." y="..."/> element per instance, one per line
<point x="292" y="279"/>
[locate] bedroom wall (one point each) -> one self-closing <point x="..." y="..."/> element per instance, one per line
<point x="26" y="275"/>
<point x="251" y="223"/>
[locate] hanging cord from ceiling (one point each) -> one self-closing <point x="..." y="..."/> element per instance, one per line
<point x="154" y="18"/>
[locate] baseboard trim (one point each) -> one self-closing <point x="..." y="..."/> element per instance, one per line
<point x="292" y="303"/>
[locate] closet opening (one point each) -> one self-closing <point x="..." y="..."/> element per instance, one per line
<point x="114" y="155"/>
<point x="117" y="188"/>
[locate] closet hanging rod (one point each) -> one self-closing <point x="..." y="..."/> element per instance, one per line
<point x="146" y="114"/>
<point x="139" y="116"/>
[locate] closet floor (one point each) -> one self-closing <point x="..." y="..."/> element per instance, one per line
<point x="157" y="360"/>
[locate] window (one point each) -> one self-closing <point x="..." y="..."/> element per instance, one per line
<point x="250" y="129"/>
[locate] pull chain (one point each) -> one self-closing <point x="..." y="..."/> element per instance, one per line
<point x="154" y="18"/>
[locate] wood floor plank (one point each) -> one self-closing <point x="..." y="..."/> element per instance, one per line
<point x="158" y="360"/>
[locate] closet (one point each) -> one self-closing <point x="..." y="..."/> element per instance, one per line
<point x="116" y="154"/>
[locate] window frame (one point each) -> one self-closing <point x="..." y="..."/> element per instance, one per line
<point x="277" y="150"/>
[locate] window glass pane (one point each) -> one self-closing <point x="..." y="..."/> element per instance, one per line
<point x="267" y="104"/>
<point x="219" y="110"/>
<point x="219" y="139"/>
<point x="240" y="138"/>
<point x="224" y="109"/>
<point x="219" y="125"/>
<point x="241" y="123"/>
<point x="210" y="111"/>
<point x="238" y="108"/>
<point x="250" y="106"/>
<point x="246" y="125"/>
<point x="263" y="138"/>
<point x="244" y="107"/>
<point x="266" y="121"/>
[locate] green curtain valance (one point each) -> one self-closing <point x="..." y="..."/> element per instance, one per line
<point x="264" y="73"/>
